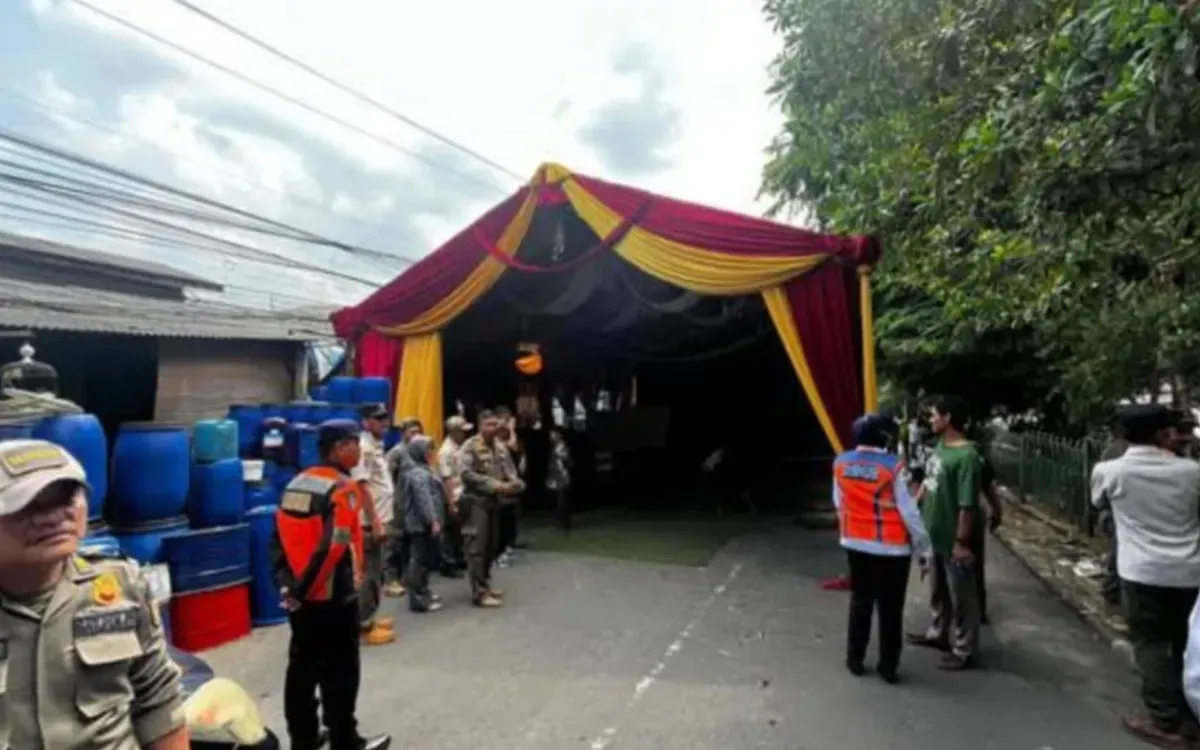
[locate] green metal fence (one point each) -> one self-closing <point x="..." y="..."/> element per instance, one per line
<point x="1049" y="471"/>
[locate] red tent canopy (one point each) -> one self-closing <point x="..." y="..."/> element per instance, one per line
<point x="814" y="286"/>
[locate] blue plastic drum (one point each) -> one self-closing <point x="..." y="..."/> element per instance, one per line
<point x="145" y="543"/>
<point x="249" y="418"/>
<point x="100" y="543"/>
<point x="318" y="393"/>
<point x="264" y="594"/>
<point x="373" y="391"/>
<point x="298" y="412"/>
<point x="319" y="411"/>
<point x="218" y="494"/>
<point x="260" y="494"/>
<point x="273" y="411"/>
<point x="283" y="477"/>
<point x="151" y="473"/>
<point x="16" y="431"/>
<point x="302" y="446"/>
<point x="84" y="438"/>
<point x="215" y="440"/>
<point x="341" y="390"/>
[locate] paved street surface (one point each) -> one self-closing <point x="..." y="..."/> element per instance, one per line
<point x="747" y="653"/>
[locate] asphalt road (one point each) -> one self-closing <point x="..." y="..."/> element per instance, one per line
<point x="746" y="653"/>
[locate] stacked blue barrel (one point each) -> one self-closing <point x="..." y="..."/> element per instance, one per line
<point x="148" y="491"/>
<point x="213" y="555"/>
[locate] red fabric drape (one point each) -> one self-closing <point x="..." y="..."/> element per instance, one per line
<point x="824" y="306"/>
<point x="428" y="281"/>
<point x="377" y="355"/>
<point x="722" y="231"/>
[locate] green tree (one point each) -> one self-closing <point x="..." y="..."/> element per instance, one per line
<point x="1031" y="167"/>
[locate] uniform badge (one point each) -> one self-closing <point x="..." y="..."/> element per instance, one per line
<point x="106" y="590"/>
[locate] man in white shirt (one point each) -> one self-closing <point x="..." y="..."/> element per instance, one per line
<point x="449" y="467"/>
<point x="374" y="478"/>
<point x="1155" y="497"/>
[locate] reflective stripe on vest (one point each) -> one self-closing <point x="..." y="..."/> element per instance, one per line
<point x="300" y="532"/>
<point x="866" y="483"/>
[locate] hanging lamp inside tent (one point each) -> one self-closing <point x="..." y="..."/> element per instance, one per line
<point x="529" y="359"/>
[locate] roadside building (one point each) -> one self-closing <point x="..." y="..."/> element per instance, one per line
<point x="131" y="342"/>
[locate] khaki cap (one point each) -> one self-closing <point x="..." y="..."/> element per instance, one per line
<point x="29" y="466"/>
<point x="459" y="423"/>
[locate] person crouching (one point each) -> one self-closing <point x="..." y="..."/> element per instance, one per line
<point x="881" y="528"/>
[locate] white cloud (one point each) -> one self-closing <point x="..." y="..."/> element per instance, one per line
<point x="524" y="81"/>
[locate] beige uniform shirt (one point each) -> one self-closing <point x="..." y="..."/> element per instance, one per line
<point x="482" y="468"/>
<point x="373" y="469"/>
<point x="86" y="665"/>
<point x="448" y="466"/>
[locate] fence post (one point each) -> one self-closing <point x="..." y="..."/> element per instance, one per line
<point x="1089" y="511"/>
<point x="1021" y="467"/>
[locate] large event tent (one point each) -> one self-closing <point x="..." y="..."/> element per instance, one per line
<point x="814" y="287"/>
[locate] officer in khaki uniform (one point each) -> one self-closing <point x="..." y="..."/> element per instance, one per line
<point x="83" y="659"/>
<point x="488" y="473"/>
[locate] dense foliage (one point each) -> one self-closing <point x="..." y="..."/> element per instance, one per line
<point x="1032" y="167"/>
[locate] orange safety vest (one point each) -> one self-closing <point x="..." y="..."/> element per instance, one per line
<point x="866" y="482"/>
<point x="318" y="525"/>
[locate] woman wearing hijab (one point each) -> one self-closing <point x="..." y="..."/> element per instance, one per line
<point x="423" y="495"/>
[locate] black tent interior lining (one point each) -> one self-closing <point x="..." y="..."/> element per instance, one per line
<point x="714" y="364"/>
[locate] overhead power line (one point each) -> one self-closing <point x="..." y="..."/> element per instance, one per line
<point x="362" y="97"/>
<point x="141" y="31"/>
<point x="249" y="251"/>
<point x="295" y="199"/>
<point x="79" y="159"/>
<point x="114" y="231"/>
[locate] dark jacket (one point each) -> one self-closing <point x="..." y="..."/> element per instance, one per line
<point x="422" y="489"/>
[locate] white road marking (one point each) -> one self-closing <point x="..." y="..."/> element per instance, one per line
<point x="605" y="738"/>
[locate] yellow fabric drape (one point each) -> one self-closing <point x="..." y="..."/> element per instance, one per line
<point x="781" y="315"/>
<point x="477" y="283"/>
<point x="419" y="390"/>
<point x="867" y="317"/>
<point x="419" y="393"/>
<point x="688" y="267"/>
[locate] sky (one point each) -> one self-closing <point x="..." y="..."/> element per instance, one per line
<point x="668" y="95"/>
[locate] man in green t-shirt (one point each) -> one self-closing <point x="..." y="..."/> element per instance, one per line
<point x="950" y="509"/>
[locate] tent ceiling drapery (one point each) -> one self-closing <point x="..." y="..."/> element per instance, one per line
<point x="674" y="255"/>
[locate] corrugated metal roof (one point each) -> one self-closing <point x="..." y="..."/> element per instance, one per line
<point x="84" y="256"/>
<point x="25" y="304"/>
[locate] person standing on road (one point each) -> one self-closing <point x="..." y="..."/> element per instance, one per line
<point x="951" y="512"/>
<point x="509" y="532"/>
<point x="423" y="498"/>
<point x="881" y="528"/>
<point x="398" y="464"/>
<point x="1154" y="495"/>
<point x="317" y="561"/>
<point x="558" y="477"/>
<point x="453" y="560"/>
<point x="488" y="475"/>
<point x="375" y="484"/>
<point x="83" y="659"/>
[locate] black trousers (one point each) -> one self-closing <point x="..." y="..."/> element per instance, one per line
<point x="1158" y="629"/>
<point x="423" y="555"/>
<point x="509" y="526"/>
<point x="399" y="552"/>
<point x="878" y="583"/>
<point x="323" y="654"/>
